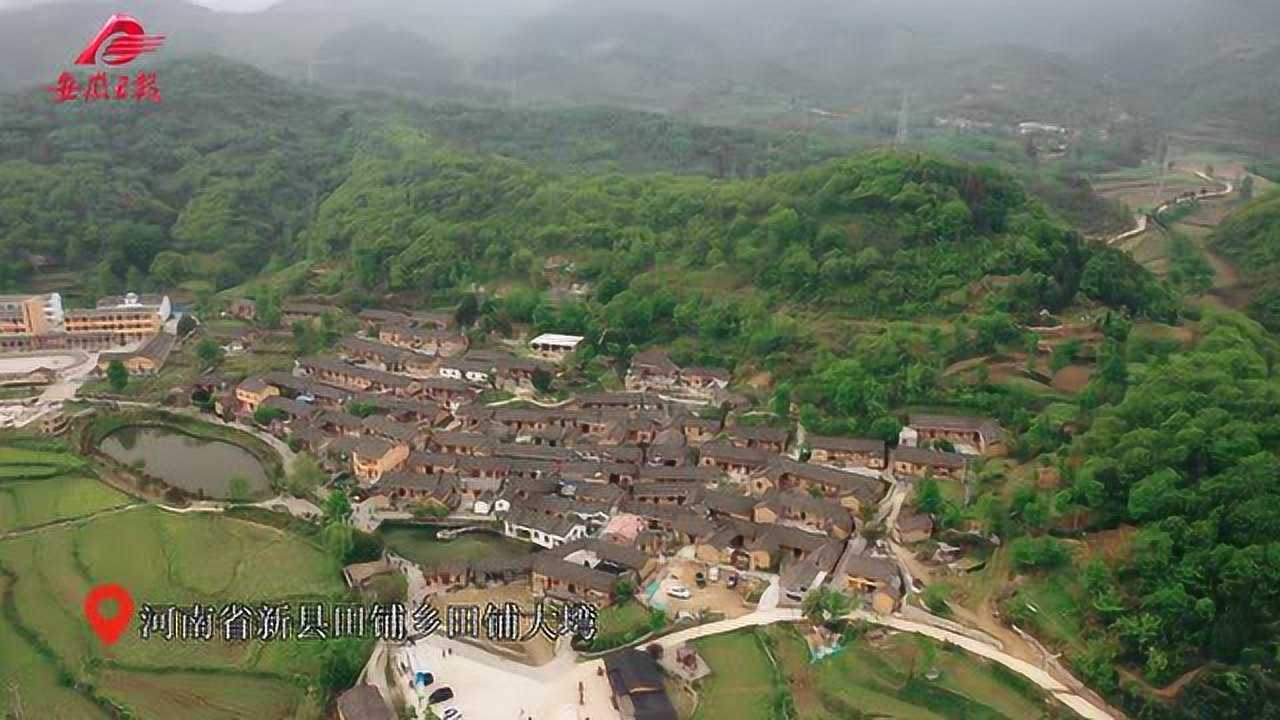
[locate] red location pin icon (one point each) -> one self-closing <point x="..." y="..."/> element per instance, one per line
<point x="108" y="629"/>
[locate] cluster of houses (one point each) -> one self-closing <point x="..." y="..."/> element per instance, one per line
<point x="604" y="484"/>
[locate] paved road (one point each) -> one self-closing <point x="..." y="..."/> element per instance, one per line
<point x="1143" y="220"/>
<point x="1082" y="706"/>
<point x="489" y="686"/>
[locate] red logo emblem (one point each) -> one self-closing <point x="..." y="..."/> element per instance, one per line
<point x="120" y="41"/>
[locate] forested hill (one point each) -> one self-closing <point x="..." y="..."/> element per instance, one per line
<point x="235" y="170"/>
<point x="1251" y="237"/>
<point x="222" y="172"/>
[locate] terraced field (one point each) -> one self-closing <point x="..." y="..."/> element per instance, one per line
<point x="39" y="486"/>
<point x="59" y="667"/>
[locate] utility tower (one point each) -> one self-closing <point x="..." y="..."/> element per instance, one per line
<point x="904" y="113"/>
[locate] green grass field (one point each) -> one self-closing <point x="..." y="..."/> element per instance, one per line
<point x="162" y="558"/>
<point x="39" y="486"/>
<point x="741" y="681"/>
<point x="882" y="679"/>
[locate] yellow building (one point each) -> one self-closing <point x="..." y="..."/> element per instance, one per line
<point x="130" y="318"/>
<point x="23" y="315"/>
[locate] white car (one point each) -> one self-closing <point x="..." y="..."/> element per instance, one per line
<point x="452" y="713"/>
<point x="680" y="592"/>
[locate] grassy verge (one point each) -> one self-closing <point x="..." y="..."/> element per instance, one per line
<point x="899" y="676"/>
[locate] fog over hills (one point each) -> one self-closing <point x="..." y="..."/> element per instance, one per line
<point x="1084" y="62"/>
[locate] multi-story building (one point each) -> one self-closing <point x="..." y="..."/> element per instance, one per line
<point x="26" y="314"/>
<point x="127" y="318"/>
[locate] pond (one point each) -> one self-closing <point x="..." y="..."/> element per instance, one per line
<point x="189" y="463"/>
<point x="419" y="544"/>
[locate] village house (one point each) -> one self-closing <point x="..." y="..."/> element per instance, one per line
<point x="252" y="392"/>
<point x="373" y="457"/>
<point x="439" y="491"/>
<point x="618" y="559"/>
<point x="562" y="580"/>
<point x="621" y="474"/>
<point x="638" y="690"/>
<point x="551" y="346"/>
<point x="736" y="462"/>
<point x="448" y="391"/>
<point x="308" y="391"/>
<point x="755" y="546"/>
<point x="290" y="410"/>
<point x="305" y="312"/>
<point x="802" y="510"/>
<point x="932" y="463"/>
<point x="914" y="528"/>
<point x="477" y="372"/>
<point x="846" y="452"/>
<point x="459" y="443"/>
<point x="851" y="490"/>
<point x="769" y="439"/>
<point x="396" y="432"/>
<point x="427" y="340"/>
<point x="729" y="505"/>
<point x="372" y="319"/>
<point x="981" y="434"/>
<point x="339" y="422"/>
<point x="651" y="369"/>
<point x="333" y="371"/>
<point x="704" y="381"/>
<point x="667" y="493"/>
<point x="859" y="574"/>
<point x="541" y="529"/>
<point x="146" y="360"/>
<point x="698" y="431"/>
<point x="619" y="401"/>
<point x="593" y="514"/>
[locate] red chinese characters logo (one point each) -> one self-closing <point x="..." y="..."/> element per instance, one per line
<point x="120" y="41"/>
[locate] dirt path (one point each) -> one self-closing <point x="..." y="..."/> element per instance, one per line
<point x="1168" y="692"/>
<point x="64" y="522"/>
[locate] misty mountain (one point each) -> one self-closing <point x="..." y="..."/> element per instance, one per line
<point x="1185" y="62"/>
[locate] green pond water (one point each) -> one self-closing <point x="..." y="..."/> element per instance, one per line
<point x="192" y="464"/>
<point x="419" y="544"/>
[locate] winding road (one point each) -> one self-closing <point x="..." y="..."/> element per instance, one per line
<point x="1079" y="703"/>
<point x="1144" y="219"/>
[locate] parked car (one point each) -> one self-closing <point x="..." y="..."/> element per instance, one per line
<point x="700" y="580"/>
<point x="713" y="573"/>
<point x="452" y="713"/>
<point x="680" y="592"/>
<point x="443" y="694"/>
<point x="731" y="581"/>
